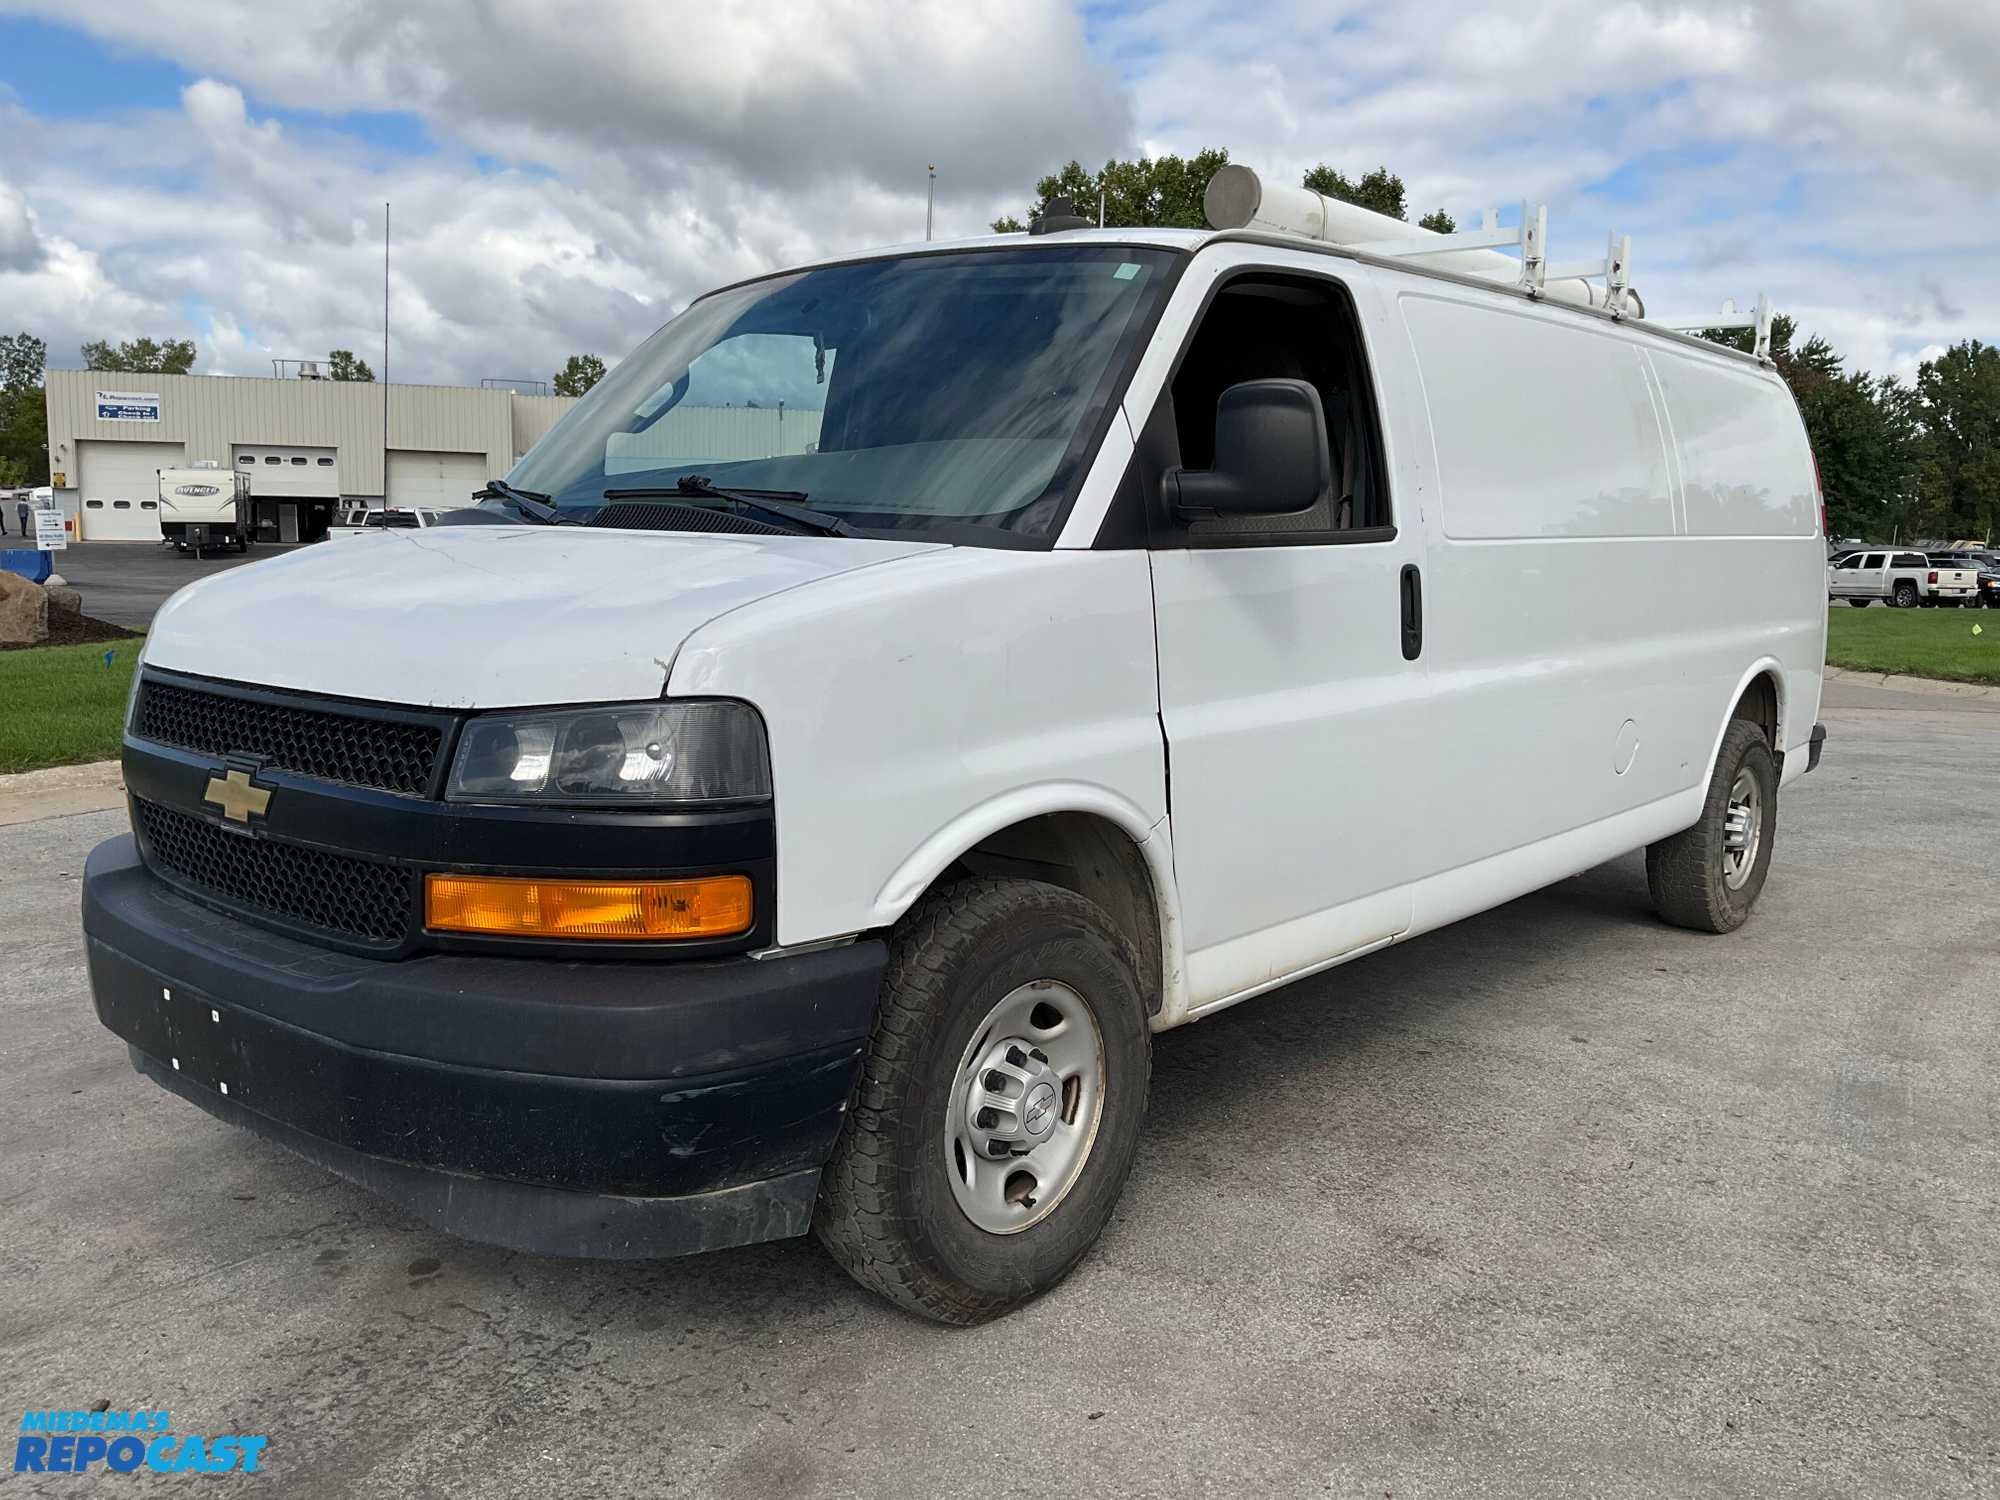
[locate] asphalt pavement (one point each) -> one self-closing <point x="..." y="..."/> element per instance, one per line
<point x="1559" y="1201"/>
<point x="124" y="583"/>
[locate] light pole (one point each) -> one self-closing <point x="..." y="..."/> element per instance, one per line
<point x="930" y="201"/>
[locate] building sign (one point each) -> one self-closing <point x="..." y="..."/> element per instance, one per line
<point x="49" y="533"/>
<point x="59" y="480"/>
<point x="128" y="406"/>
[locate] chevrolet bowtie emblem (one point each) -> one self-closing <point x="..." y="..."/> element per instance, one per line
<point x="239" y="800"/>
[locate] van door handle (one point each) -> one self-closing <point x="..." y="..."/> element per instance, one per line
<point x="1413" y="612"/>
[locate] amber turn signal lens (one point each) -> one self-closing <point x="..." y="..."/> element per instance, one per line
<point x="711" y="906"/>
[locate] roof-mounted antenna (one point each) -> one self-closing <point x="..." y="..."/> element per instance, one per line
<point x="1058" y="214"/>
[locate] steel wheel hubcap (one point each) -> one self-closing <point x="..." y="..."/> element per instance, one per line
<point x="1024" y="1107"/>
<point x="1742" y="829"/>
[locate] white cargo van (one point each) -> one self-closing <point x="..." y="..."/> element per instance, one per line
<point x="205" y="507"/>
<point x="906" y="683"/>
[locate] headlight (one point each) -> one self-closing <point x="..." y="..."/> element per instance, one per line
<point x="638" y="753"/>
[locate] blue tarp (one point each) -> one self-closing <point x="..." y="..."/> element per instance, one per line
<point x="30" y="562"/>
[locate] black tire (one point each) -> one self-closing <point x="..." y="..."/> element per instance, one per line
<point x="1685" y="872"/>
<point x="1860" y="603"/>
<point x="886" y="1208"/>
<point x="1906" y="595"/>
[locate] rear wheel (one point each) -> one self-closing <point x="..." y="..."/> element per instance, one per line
<point x="1708" y="877"/>
<point x="1000" y="1104"/>
<point x="1906" y="595"/>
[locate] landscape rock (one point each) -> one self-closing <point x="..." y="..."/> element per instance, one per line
<point x="24" y="611"/>
<point x="68" y="600"/>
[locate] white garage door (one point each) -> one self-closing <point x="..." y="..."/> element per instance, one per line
<point x="445" y="480"/>
<point x="279" y="472"/>
<point x="121" y="488"/>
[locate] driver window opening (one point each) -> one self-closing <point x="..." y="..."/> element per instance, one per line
<point x="1282" y="328"/>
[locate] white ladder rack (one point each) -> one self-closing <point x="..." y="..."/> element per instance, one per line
<point x="1531" y="236"/>
<point x="1729" y="317"/>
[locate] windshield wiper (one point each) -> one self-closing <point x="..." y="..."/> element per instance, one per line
<point x="777" y="503"/>
<point x="531" y="503"/>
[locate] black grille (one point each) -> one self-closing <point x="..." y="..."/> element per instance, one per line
<point x="389" y="754"/>
<point x="361" y="898"/>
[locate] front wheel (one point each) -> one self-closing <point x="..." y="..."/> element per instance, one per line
<point x="1860" y="603"/>
<point x="1000" y="1104"/>
<point x="1708" y="877"/>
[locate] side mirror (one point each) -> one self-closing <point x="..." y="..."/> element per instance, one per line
<point x="1271" y="455"/>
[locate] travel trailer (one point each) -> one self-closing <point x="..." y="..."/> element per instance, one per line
<point x="205" y="507"/>
<point x="795" y="796"/>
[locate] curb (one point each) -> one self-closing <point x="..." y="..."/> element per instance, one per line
<point x="1912" y="684"/>
<point x="61" y="792"/>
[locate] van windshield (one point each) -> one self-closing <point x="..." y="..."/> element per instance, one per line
<point x="953" y="391"/>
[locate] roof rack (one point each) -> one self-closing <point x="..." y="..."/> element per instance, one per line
<point x="1729" y="317"/>
<point x="1238" y="197"/>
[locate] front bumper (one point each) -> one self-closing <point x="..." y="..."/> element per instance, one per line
<point x="622" y="1109"/>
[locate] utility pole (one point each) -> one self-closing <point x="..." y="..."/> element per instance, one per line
<point x="930" y="201"/>
<point x="385" y="355"/>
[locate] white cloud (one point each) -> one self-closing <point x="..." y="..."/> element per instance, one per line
<point x="21" y="247"/>
<point x="1839" y="155"/>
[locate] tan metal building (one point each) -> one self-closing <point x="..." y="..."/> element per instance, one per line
<point x="308" y="445"/>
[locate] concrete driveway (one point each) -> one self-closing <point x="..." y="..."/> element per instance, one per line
<point x="1557" y="1202"/>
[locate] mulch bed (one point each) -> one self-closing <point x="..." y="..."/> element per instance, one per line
<point x="66" y="629"/>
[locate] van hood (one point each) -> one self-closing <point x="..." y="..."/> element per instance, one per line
<point x="485" y="616"/>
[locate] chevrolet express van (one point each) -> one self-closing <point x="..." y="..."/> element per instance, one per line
<point x="794" y="797"/>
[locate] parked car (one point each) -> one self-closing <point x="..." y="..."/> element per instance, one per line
<point x="1901" y="578"/>
<point x="1985" y="564"/>
<point x="712" y="850"/>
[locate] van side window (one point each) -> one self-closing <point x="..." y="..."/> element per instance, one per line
<point x="1268" y="326"/>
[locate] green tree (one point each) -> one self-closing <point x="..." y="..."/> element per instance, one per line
<point x="24" y="415"/>
<point x="1162" y="192"/>
<point x="141" y="356"/>
<point x="22" y="360"/>
<point x="343" y="364"/>
<point x="1959" y="398"/>
<point x="1165" y="192"/>
<point x="578" y="374"/>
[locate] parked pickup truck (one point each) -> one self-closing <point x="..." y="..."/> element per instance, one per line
<point x="1985" y="564"/>
<point x="360" y="522"/>
<point x="1904" y="579"/>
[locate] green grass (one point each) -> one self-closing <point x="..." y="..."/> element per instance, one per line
<point x="1916" y="642"/>
<point x="60" y="705"/>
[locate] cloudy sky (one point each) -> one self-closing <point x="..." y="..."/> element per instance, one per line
<point x="566" y="175"/>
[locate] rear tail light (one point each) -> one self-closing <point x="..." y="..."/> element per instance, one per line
<point x="1933" y="575"/>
